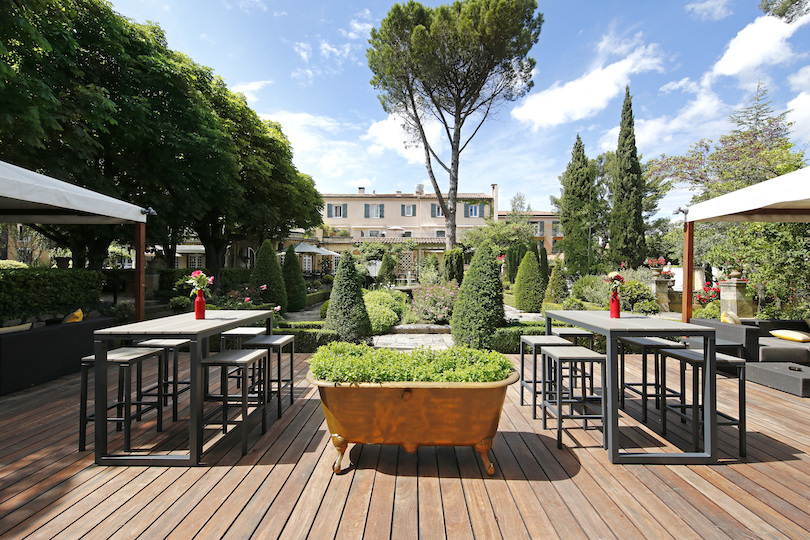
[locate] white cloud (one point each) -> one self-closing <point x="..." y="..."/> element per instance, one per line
<point x="359" y="29"/>
<point x="246" y="5"/>
<point x="249" y="89"/>
<point x="204" y="37"/>
<point x="761" y="43"/>
<point x="340" y="51"/>
<point x="304" y="76"/>
<point x="710" y="9"/>
<point x="388" y="134"/>
<point x="591" y="93"/>
<point x="800" y="105"/>
<point x="304" y="50"/>
<point x="279" y="14"/>
<point x="686" y="84"/>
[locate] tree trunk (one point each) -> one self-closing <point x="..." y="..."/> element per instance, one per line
<point x="214" y="237"/>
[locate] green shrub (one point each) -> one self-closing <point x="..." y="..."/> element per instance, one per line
<point x="180" y="304"/>
<point x="234" y="278"/>
<point x="434" y="304"/>
<point x="633" y="292"/>
<point x="294" y="282"/>
<point x="307" y="340"/>
<point x="528" y="287"/>
<point x="328" y="279"/>
<point x="123" y="312"/>
<point x="8" y="265"/>
<point x="646" y="307"/>
<point x="347" y="313"/>
<point x="557" y="290"/>
<point x="409" y="317"/>
<point x="301" y="324"/>
<point x="710" y="311"/>
<point x="382" y="318"/>
<point x="453" y="266"/>
<point x="479" y="308"/>
<point x="168" y="278"/>
<point x="384" y="298"/>
<point x="507" y="339"/>
<point x="386" y="274"/>
<point x="350" y="363"/>
<point x="324" y="309"/>
<point x="37" y="291"/>
<point x="591" y="288"/>
<point x="266" y="276"/>
<point x="544" y="271"/>
<point x="574" y="304"/>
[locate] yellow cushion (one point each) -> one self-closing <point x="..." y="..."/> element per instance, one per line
<point x="18" y="328"/>
<point x="76" y="316"/>
<point x="730" y="318"/>
<point x="791" y="335"/>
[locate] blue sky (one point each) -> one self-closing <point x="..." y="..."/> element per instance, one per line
<point x="688" y="63"/>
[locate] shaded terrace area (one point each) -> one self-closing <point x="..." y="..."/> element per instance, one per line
<point x="284" y="486"/>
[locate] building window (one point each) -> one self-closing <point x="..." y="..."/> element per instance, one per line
<point x="556" y="228"/>
<point x="409" y="210"/>
<point x="473" y="210"/>
<point x="337" y="211"/>
<point x="407" y="234"/>
<point x="307" y="263"/>
<point x="195" y="260"/>
<point x="439" y="212"/>
<point x="374" y="233"/>
<point x="555" y="246"/>
<point x="281" y="262"/>
<point x="374" y="210"/>
<point x="536" y="229"/>
<point x="439" y="234"/>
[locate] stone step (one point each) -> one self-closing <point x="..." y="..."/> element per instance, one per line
<point x="420" y="329"/>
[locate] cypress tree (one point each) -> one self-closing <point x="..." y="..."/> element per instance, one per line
<point x="386" y="274"/>
<point x="529" y="290"/>
<point x="268" y="272"/>
<point x="347" y="313"/>
<point x="454" y="265"/>
<point x="626" y="220"/>
<point x="577" y="212"/>
<point x="294" y="281"/>
<point x="544" y="268"/>
<point x="557" y="290"/>
<point x="479" y="307"/>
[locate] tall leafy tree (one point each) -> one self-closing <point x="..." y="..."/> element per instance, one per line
<point x="453" y="64"/>
<point x="626" y="220"/>
<point x="789" y="10"/>
<point x="577" y="212"/>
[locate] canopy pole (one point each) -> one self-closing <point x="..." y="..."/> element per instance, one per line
<point x="140" y="271"/>
<point x="688" y="269"/>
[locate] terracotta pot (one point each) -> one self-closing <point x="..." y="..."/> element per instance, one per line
<point x="199" y="305"/>
<point x="413" y="414"/>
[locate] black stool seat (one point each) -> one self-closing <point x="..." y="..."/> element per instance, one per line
<point x="276" y="343"/>
<point x="554" y="402"/>
<point x="177" y="386"/>
<point x="124" y="358"/>
<point x="646" y="344"/>
<point x="574" y="334"/>
<point x="241" y="359"/>
<point x="536" y="343"/>
<point x="694" y="358"/>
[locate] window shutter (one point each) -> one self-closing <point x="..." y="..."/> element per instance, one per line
<point x="466" y="210"/>
<point x="432" y="210"/>
<point x="481" y="210"/>
<point x="381" y="211"/>
<point x="328" y="210"/>
<point x="345" y="210"/>
<point x="366" y="212"/>
<point x="414" y="211"/>
<point x="403" y="209"/>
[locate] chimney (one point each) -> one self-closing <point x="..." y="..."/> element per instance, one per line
<point x="420" y="189"/>
<point x="494" y="214"/>
<point x="361" y="190"/>
<point x="399" y="194"/>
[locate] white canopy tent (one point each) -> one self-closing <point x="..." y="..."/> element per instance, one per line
<point x="785" y="198"/>
<point x="30" y="197"/>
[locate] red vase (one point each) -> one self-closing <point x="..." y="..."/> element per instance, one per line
<point x="615" y="305"/>
<point x="199" y="305"/>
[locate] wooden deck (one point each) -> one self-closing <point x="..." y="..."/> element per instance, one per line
<point x="285" y="488"/>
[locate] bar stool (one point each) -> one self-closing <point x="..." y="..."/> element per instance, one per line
<point x="574" y="335"/>
<point x="694" y="358"/>
<point x="572" y="355"/>
<point x="276" y="343"/>
<point x="241" y="360"/>
<point x="646" y="344"/>
<point x="536" y="342"/>
<point x="243" y="332"/>
<point x="177" y="386"/>
<point x="124" y="358"/>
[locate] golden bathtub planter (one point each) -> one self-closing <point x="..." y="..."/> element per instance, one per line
<point x="413" y="414"/>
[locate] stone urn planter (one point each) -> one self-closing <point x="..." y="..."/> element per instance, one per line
<point x="413" y="414"/>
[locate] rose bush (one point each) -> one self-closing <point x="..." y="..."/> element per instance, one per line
<point x="435" y="303"/>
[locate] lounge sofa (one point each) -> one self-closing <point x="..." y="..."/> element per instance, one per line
<point x="36" y="356"/>
<point x="728" y="332"/>
<point x="774" y="349"/>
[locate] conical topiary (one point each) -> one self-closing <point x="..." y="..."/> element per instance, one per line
<point x="386" y="274"/>
<point x="268" y="272"/>
<point x="347" y="313"/>
<point x="528" y="287"/>
<point x="544" y="270"/>
<point x="454" y="266"/>
<point x="557" y="290"/>
<point x="479" y="308"/>
<point x="294" y="281"/>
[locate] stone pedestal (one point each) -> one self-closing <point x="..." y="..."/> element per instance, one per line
<point x="662" y="286"/>
<point x="734" y="298"/>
